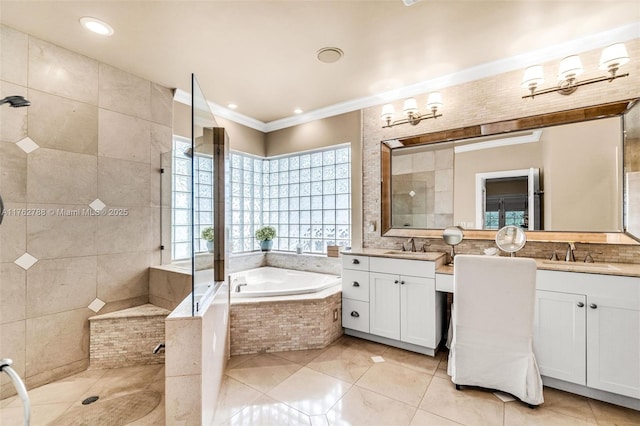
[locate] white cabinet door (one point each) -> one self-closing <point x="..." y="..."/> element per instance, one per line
<point x="384" y="307"/>
<point x="559" y="340"/>
<point x="613" y="354"/>
<point x="417" y="316"/>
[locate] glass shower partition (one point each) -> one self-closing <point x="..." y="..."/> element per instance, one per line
<point x="209" y="168"/>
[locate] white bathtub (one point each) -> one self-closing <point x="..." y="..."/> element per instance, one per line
<point x="270" y="281"/>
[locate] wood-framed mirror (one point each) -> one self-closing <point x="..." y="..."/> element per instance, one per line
<point x="531" y="172"/>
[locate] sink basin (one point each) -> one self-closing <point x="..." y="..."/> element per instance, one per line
<point x="583" y="265"/>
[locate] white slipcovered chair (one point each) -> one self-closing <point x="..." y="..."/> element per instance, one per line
<point x="492" y="321"/>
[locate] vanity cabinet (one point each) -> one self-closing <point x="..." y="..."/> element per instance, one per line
<point x="397" y="308"/>
<point x="560" y="335"/>
<point x="402" y="306"/>
<point x="587" y="330"/>
<point x="355" y="293"/>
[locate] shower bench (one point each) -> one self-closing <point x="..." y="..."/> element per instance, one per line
<point x="127" y="337"/>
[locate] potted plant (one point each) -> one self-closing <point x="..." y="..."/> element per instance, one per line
<point x="265" y="235"/>
<point x="207" y="234"/>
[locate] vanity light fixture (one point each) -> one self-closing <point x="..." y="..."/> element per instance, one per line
<point x="410" y="110"/>
<point x="612" y="58"/>
<point x="97" y="26"/>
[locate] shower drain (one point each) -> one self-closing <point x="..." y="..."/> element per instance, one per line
<point x="90" y="400"/>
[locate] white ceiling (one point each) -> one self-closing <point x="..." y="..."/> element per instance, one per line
<point x="261" y="55"/>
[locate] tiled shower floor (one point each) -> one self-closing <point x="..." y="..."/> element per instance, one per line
<point x="132" y="396"/>
<point x="339" y="385"/>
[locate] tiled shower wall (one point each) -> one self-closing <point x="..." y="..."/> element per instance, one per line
<point x="99" y="133"/>
<point x="488" y="100"/>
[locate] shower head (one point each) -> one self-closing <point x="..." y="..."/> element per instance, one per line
<point x="188" y="153"/>
<point x="15" y="101"/>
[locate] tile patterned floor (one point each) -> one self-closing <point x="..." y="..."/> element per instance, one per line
<point x="338" y="385"/>
<point x="58" y="402"/>
<point x="342" y="385"/>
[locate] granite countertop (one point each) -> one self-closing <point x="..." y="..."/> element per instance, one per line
<point x="622" y="269"/>
<point x="432" y="256"/>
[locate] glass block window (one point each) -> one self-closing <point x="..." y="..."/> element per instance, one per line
<point x="305" y="196"/>
<point x="247" y="190"/>
<point x="310" y="199"/>
<point x="182" y="199"/>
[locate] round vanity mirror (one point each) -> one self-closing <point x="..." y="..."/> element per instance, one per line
<point x="452" y="236"/>
<point x="511" y="239"/>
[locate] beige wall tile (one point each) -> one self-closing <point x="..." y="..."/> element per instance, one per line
<point x="12" y="302"/>
<point x="59" y="71"/>
<point x="13" y="121"/>
<point x="13" y="234"/>
<point x="123" y="276"/>
<point x="161" y="142"/>
<point x="125" y="93"/>
<point x="123" y="136"/>
<point x="60" y="123"/>
<point x="57" y="339"/>
<point x="182" y="404"/>
<point x="58" y="285"/>
<point x="170" y="286"/>
<point x="125" y="234"/>
<point x="61" y="177"/>
<point x="161" y="104"/>
<point x="155" y="253"/>
<point x="123" y="183"/>
<point x="54" y="235"/>
<point x="13" y="172"/>
<point x="13" y="347"/>
<point x="13" y="55"/>
<point x="183" y="349"/>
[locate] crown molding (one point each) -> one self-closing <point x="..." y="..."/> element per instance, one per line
<point x="217" y="110"/>
<point x="591" y="42"/>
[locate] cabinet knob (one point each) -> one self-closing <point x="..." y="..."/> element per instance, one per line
<point x="355" y="314"/>
<point x="580" y="305"/>
<point x="356" y="284"/>
<point x="396" y="282"/>
<point x="593" y="306"/>
<point x="355" y="261"/>
<point x="402" y="282"/>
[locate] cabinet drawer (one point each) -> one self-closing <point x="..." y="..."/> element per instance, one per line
<point x="358" y="263"/>
<point x="355" y="285"/>
<point x="444" y="282"/>
<point x="355" y="315"/>
<point x="415" y="268"/>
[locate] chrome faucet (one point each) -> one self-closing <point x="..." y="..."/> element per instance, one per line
<point x="570" y="257"/>
<point x="413" y="244"/>
<point x="239" y="286"/>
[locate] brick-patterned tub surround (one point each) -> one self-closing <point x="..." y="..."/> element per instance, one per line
<point x="274" y="324"/>
<point x="126" y="338"/>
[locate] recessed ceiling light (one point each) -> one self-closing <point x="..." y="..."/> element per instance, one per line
<point x="232" y="106"/>
<point x="297" y="111"/>
<point x="97" y="26"/>
<point x="329" y="55"/>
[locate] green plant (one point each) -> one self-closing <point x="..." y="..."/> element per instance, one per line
<point x="207" y="233"/>
<point x="266" y="233"/>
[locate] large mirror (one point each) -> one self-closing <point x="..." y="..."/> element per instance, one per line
<point x="560" y="172"/>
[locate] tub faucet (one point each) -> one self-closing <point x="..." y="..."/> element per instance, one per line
<point x="413" y="244"/>
<point x="239" y="286"/>
<point x="158" y="348"/>
<point x="570" y="257"/>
